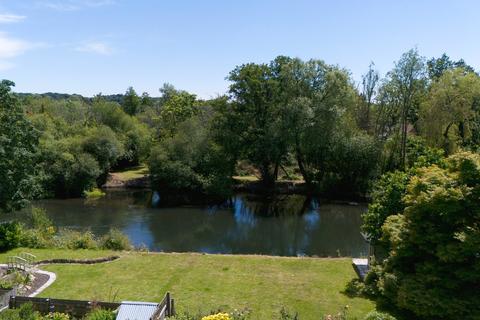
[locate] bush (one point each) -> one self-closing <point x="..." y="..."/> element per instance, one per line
<point x="354" y="288"/>
<point x="94" y="193"/>
<point x="56" y="316"/>
<point x="387" y="198"/>
<point x="76" y="240"/>
<point x="10" y="235"/>
<point x="100" y="314"/>
<point x="375" y="315"/>
<point x="191" y="161"/>
<point x="433" y="259"/>
<point x="25" y="312"/>
<point x="115" y="240"/>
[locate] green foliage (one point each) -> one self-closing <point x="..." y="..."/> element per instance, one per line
<point x="68" y="171"/>
<point x="102" y="143"/>
<point x="115" y="240"/>
<point x="350" y="164"/>
<point x="73" y="239"/>
<point x="387" y="199"/>
<point x="10" y="235"/>
<point x="56" y="316"/>
<point x="388" y="191"/>
<point x="42" y="232"/>
<point x="191" y="161"/>
<point x="436" y="67"/>
<point x="450" y="115"/>
<point x="177" y="107"/>
<point x="25" y="312"/>
<point x="291" y="107"/>
<point x="18" y="147"/>
<point x="134" y="136"/>
<point x="355" y="288"/>
<point x="95" y="193"/>
<point x="131" y="102"/>
<point x="432" y="268"/>
<point x="400" y="97"/>
<point x="100" y="314"/>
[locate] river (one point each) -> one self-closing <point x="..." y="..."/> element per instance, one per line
<point x="284" y="225"/>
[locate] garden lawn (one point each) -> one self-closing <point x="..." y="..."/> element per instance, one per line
<point x="310" y="286"/>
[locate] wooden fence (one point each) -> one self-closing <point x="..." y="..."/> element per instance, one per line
<point x="166" y="308"/>
<point x="76" y="308"/>
<point x="79" y="308"/>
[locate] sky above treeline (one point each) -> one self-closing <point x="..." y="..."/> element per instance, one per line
<point x="93" y="46"/>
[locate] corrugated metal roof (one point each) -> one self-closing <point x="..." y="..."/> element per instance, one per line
<point x="136" y="310"/>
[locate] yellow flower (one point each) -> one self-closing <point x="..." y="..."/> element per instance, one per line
<point x="218" y="316"/>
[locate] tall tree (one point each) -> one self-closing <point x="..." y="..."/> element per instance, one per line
<point x="131" y="102"/>
<point x="18" y="146"/>
<point x="403" y="91"/>
<point x="451" y="114"/>
<point x="436" y="67"/>
<point x="254" y="91"/>
<point x="369" y="89"/>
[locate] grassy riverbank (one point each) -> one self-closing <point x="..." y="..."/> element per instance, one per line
<point x="310" y="286"/>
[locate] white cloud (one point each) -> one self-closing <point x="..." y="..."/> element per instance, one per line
<point x="96" y="47"/>
<point x="11" y="47"/>
<point x="10" y="18"/>
<point x="72" y="5"/>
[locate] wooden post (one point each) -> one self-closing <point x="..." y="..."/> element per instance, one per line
<point x="168" y="304"/>
<point x="172" y="308"/>
<point x="11" y="302"/>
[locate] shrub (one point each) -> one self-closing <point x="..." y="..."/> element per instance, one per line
<point x="56" y="316"/>
<point x="432" y="265"/>
<point x="115" y="240"/>
<point x="25" y="312"/>
<point x="354" y="288"/>
<point x="94" y="193"/>
<point x="375" y="315"/>
<point x="76" y="240"/>
<point x="10" y="235"/>
<point x="33" y="238"/>
<point x="100" y="314"/>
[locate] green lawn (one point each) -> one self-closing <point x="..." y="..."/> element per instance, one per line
<point x="199" y="282"/>
<point x="131" y="173"/>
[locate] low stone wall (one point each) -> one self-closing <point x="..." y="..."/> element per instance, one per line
<point x="78" y="261"/>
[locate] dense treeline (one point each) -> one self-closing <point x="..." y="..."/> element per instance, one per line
<point x="288" y="119"/>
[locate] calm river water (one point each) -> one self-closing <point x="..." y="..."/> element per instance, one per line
<point x="285" y="225"/>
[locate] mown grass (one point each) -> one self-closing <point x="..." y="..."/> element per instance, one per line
<point x="132" y="173"/>
<point x="310" y="286"/>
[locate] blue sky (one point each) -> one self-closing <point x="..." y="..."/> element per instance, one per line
<point x="92" y="46"/>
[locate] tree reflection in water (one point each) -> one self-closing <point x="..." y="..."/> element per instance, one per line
<point x="285" y="225"/>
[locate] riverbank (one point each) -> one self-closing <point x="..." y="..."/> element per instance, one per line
<point x="202" y="283"/>
<point x="139" y="178"/>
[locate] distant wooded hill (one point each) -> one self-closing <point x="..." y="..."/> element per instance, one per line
<point x="65" y="96"/>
